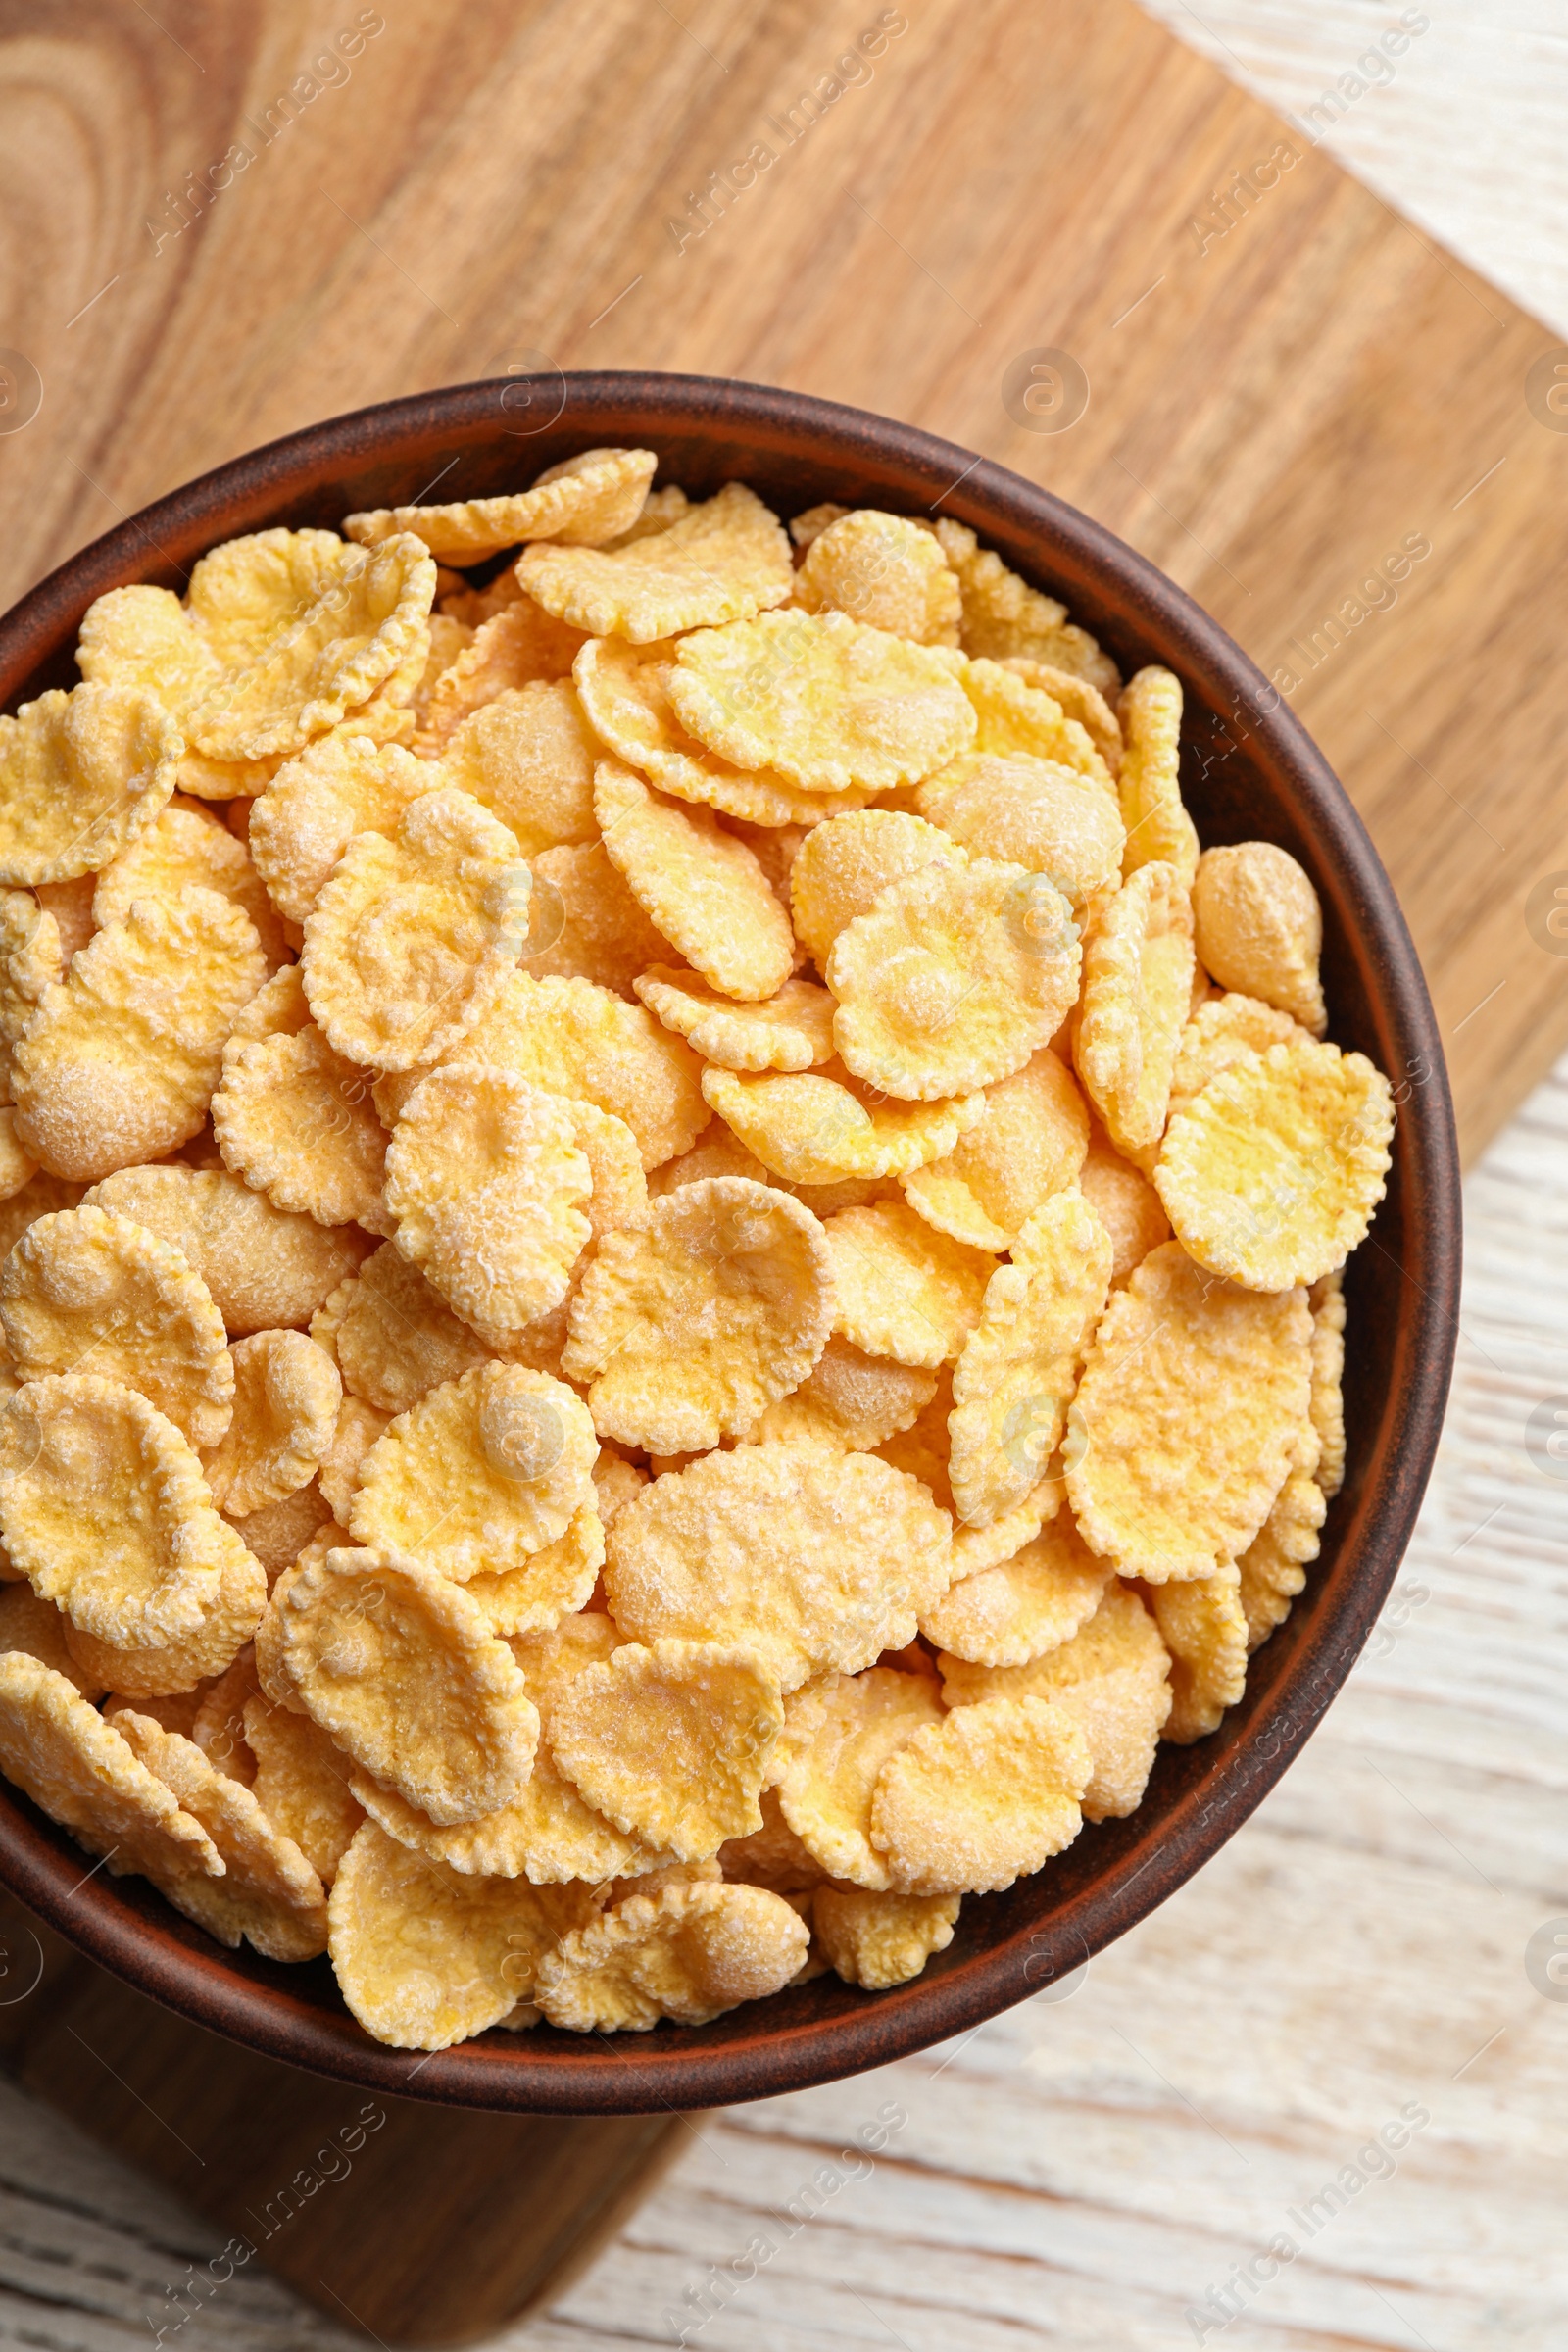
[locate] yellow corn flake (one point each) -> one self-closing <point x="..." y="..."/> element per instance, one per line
<point x="1270" y="1176"/>
<point x="1327" y="1302"/>
<point x="302" y="1785"/>
<point x="1125" y="1203"/>
<point x="398" y="1664"/>
<point x="670" y="1741"/>
<point x="1024" y="1606"/>
<point x="120" y="1061"/>
<point x="1273" y="1567"/>
<point x="268" y="1894"/>
<point x="1031" y="813"/>
<point x="37" y="1628"/>
<point x="688" y="1954"/>
<point x="142" y="636"/>
<point x="626" y="693"/>
<point x="904" y="1290"/>
<point x="831" y="706"/>
<point x="82" y="775"/>
<point x="1003" y="618"/>
<point x="1080" y="699"/>
<point x="723" y="560"/>
<point x="922" y="1452"/>
<point x="411" y="938"/>
<point x="581" y="503"/>
<point x="87" y="1286"/>
<point x="476" y="717"/>
<point x="1223" y="1031"/>
<point x="1259" y="928"/>
<point x="85" y="1775"/>
<point x="1149" y="786"/>
<point x="306" y="817"/>
<point x="1014" y="720"/>
<point x="550" y="1584"/>
<point x="392" y="1336"/>
<point x="287" y="1394"/>
<point x="981" y="1798"/>
<point x="884" y="570"/>
<point x="490" y="1192"/>
<point x="849" y="1399"/>
<point x="790" y="1031"/>
<point x="687" y="1327"/>
<point x="424" y="1956"/>
<point x="17" y="1169"/>
<point x="247" y="596"/>
<point x="278" y="1009"/>
<point x="528" y="758"/>
<point x="809" y="1558"/>
<point x="699" y="886"/>
<point x="585" y="924"/>
<point x="365" y="626"/>
<point x="1203" y="1626"/>
<point x="842" y="1733"/>
<point x="180" y="849"/>
<point x="1137" y="985"/>
<point x="1013" y="1382"/>
<point x="1113" y="1678"/>
<point x="953" y="979"/>
<point x="298" y="1122"/>
<point x="479" y="1475"/>
<point x="30" y="961"/>
<point x="278" y="1532"/>
<point x="358" y="1426"/>
<point x="1030" y="1144"/>
<point x="843" y="866"/>
<point x="878" y="1940"/>
<point x="1185" y="1418"/>
<point x="266" y="1269"/>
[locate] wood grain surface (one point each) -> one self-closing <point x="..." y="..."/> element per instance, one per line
<point x="1087" y="2171"/>
<point x="221" y="225"/>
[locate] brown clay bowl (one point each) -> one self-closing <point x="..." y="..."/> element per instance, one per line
<point x="1249" y="770"/>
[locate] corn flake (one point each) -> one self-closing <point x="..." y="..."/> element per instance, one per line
<point x="183" y="848"/>
<point x="1031" y="813"/>
<point x="1003" y="618"/>
<point x="842" y="1733"/>
<point x="37" y="1628"/>
<point x="302" y="1785"/>
<point x="1014" y="720"/>
<point x="981" y="1798"/>
<point x="1273" y="1567"/>
<point x="552" y="1584"/>
<point x="297" y="1122"/>
<point x="1125" y="1203"/>
<point x="790" y="1031"/>
<point x="585" y="924"/>
<point x="265" y="1268"/>
<point x="878" y="1940"/>
<point x="849" y="1399"/>
<point x="358" y="1425"/>
<point x="723" y="560"/>
<point x="688" y="1953"/>
<point x="82" y="776"/>
<point x="1137" y="986"/>
<point x="843" y="867"/>
<point x="1031" y="1143"/>
<point x="1080" y="699"/>
<point x="1327" y="1302"/>
<point x="698" y="885"/>
<point x="1259" y="928"/>
<point x="902" y="1290"/>
<point x="306" y="817"/>
<point x="1149" y="786"/>
<point x="1203" y="1626"/>
<point x="589" y="499"/>
<point x="278" y="1532"/>
<point x="393" y="1338"/>
<point x="287" y="1394"/>
<point x="884" y="570"/>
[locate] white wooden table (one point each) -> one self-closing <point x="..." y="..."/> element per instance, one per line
<point x="1086" y="2172"/>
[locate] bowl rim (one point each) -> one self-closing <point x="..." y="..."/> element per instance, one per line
<point x="127" y="1929"/>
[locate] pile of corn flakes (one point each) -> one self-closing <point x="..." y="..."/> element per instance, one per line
<point x="672" y="1258"/>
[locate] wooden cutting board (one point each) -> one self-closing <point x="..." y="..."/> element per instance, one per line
<point x="1048" y="232"/>
<point x="1289" y="388"/>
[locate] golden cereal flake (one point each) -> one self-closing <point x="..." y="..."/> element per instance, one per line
<point x="830" y="705"/>
<point x="1031" y="813"/>
<point x="529" y="757"/>
<point x="82" y="776"/>
<point x="1222" y="1031"/>
<point x="287" y="1394"/>
<point x="1273" y="1567"/>
<point x="1080" y="699"/>
<point x="1137" y="986"/>
<point x="278" y="1009"/>
<point x="884" y="570"/>
<point x="1022" y="1608"/>
<point x="37" y="1627"/>
<point x="811" y="1557"/>
<point x="87" y="1288"/>
<point x="297" y="1122"/>
<point x="424" y="1956"/>
<point x="878" y="1940"/>
<point x="143" y="636"/>
<point x="849" y="1399"/>
<point x="490" y="1192"/>
<point x="479" y="1475"/>
<point x="476" y="717"/>
<point x="266" y="1269"/>
<point x="218" y="1725"/>
<point x="843" y="867"/>
<point x="302" y="1785"/>
<point x="1016" y="1378"/>
<point x="1030" y="1144"/>
<point x="30" y="961"/>
<point x="1258" y="928"/>
<point x="981" y="1798"/>
<point x="688" y="1326"/>
<point x="393" y="1336"/>
<point x="724" y="561"/>
<point x="1203" y="1626"/>
<point x="1012" y="718"/>
<point x="670" y="1741"/>
<point x="180" y="849"/>
<point x="699" y="886"/>
<point x="840" y="1734"/>
<point x="398" y="1664"/>
<point x="585" y="924"/>
<point x="1327" y="1302"/>
<point x="1185" y="1418"/>
<point x="580" y="503"/>
<point x="247" y="595"/>
<point x="790" y="1031"/>
<point x="904" y="1290"/>
<point x="268" y="1894"/>
<point x="1149" y="785"/>
<point x="120" y="1061"/>
<point x="546" y="1835"/>
<point x="337" y="787"/>
<point x="411" y="938"/>
<point x="688" y="1953"/>
<point x="1270" y="1176"/>
<point x="1004" y="617"/>
<point x="953" y="979"/>
<point x="550" y="1584"/>
<point x="449" y="637"/>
